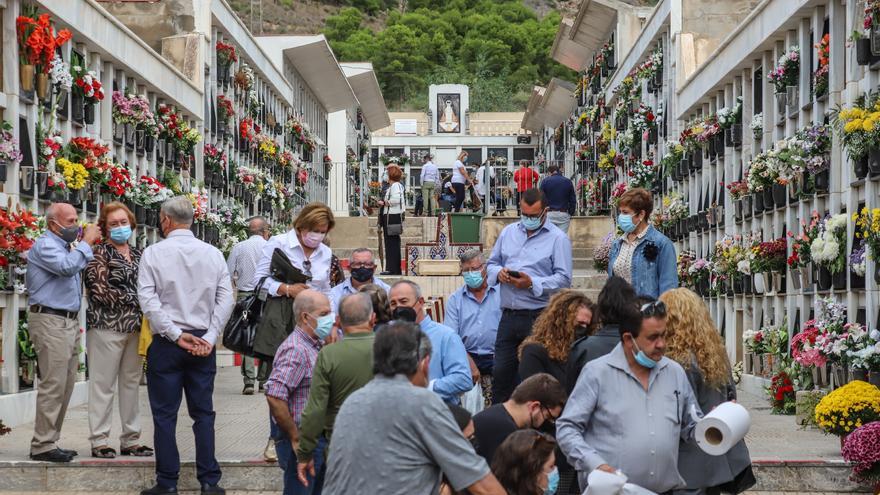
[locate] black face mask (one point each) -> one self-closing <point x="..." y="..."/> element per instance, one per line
<point x="474" y="443"/>
<point x="581" y="331"/>
<point x="362" y="274"/>
<point x="404" y="313"/>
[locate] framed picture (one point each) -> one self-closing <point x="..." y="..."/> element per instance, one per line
<point x="448" y="113"/>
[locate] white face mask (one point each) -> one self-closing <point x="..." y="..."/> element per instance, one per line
<point x="313" y="239"/>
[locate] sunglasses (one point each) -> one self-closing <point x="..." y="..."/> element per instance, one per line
<point x="307" y="268"/>
<point x="654" y="308"/>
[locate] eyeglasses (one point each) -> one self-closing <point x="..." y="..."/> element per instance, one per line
<point x="549" y="417"/>
<point x="654" y="308"/>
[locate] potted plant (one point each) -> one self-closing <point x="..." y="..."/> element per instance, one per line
<point x="730" y="119"/>
<point x="857" y="265"/>
<point x="828" y="250"/>
<point x="226" y="56"/>
<point x="768" y="263"/>
<point x="87" y="91"/>
<point x="37" y="42"/>
<point x="785" y="76"/>
<point x="867" y="228"/>
<point x="860" y="450"/>
<point x="858" y="130"/>
<point x="800" y="261"/>
<point x="9" y="152"/>
<point x="820" y="76"/>
<point x="843" y="410"/>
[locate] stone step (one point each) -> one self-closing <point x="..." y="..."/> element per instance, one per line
<point x="256" y="476"/>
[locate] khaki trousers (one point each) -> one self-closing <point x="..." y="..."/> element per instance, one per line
<point x="56" y="340"/>
<point x="114" y="363"/>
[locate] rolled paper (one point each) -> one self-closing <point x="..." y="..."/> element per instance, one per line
<point x="722" y="428"/>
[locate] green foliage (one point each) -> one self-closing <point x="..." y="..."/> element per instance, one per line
<point x="499" y="48"/>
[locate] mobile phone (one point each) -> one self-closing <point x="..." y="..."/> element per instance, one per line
<point x="513" y="274"/>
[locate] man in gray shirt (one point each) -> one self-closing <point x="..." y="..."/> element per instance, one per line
<point x="394" y="436"/>
<point x="630" y="408"/>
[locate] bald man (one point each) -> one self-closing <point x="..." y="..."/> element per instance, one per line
<point x="54" y="293"/>
<point x="287" y="389"/>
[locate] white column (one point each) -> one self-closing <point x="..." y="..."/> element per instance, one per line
<point x="337" y="132"/>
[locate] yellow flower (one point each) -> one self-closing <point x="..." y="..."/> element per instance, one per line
<point x="852" y="126"/>
<point x="75" y="174"/>
<point x="868" y="125"/>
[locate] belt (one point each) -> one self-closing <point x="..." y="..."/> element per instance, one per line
<point x="36" y="308"/>
<point x="528" y="312"/>
<point x="563" y="211"/>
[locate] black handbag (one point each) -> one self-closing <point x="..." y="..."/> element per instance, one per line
<point x="238" y="335"/>
<point x="394" y="228"/>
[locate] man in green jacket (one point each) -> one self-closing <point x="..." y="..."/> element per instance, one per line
<point x="340" y="369"/>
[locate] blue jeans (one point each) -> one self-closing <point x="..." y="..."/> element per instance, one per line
<point x="288" y="463"/>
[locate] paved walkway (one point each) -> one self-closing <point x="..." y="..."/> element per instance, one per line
<point x="242" y="427"/>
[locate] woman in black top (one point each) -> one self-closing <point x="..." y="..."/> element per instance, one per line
<point x="546" y="349"/>
<point x="616" y="299"/>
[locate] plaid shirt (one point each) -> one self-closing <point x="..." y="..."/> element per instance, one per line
<point x="291" y="375"/>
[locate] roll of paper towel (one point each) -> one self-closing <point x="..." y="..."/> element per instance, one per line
<point x="722" y="428"/>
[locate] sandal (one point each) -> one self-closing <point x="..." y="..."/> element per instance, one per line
<point x="137" y="451"/>
<point x="104" y="452"/>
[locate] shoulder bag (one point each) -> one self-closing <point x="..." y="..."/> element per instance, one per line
<point x="394" y="228"/>
<point x="238" y="335"/>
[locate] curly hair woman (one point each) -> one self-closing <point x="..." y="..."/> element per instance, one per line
<point x="525" y="464"/>
<point x="694" y="342"/>
<point x="380" y="302"/>
<point x="546" y="350"/>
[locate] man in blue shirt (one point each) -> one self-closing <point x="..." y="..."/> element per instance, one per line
<point x="561" y="199"/>
<point x="54" y="292"/>
<point x="363" y="268"/>
<point x="474" y="311"/>
<point x="449" y="372"/>
<point x="531" y="260"/>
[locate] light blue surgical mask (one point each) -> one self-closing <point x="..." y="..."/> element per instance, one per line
<point x="324" y="325"/>
<point x="120" y="234"/>
<point x="473" y="279"/>
<point x="552" y="482"/>
<point x="643" y="358"/>
<point x="531" y="223"/>
<point x="625" y="222"/>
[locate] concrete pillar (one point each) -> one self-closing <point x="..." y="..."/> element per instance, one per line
<point x="337" y="182"/>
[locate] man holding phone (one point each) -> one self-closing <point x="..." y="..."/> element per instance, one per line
<point x="531" y="260"/>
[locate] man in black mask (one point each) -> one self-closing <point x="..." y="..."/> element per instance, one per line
<point x="362" y="267"/>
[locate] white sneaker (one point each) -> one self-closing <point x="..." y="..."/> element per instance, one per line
<point x="269" y="453"/>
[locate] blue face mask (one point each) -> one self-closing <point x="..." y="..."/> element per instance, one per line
<point x="643" y="358"/>
<point x="625" y="222"/>
<point x="325" y="325"/>
<point x="473" y="279"/>
<point x="531" y="223"/>
<point x="552" y="481"/>
<point x="120" y="234"/>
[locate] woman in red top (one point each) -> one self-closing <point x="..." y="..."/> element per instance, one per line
<point x="525" y="179"/>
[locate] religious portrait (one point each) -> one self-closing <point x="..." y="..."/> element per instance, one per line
<point x="448" y="113"/>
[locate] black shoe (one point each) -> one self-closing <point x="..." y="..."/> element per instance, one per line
<point x="52" y="456"/>
<point x="158" y="490"/>
<point x="212" y="490"/>
<point x="71" y="453"/>
<point x="248" y="390"/>
<point x="262" y="388"/>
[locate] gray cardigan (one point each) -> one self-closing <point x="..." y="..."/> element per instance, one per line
<point x="699" y="469"/>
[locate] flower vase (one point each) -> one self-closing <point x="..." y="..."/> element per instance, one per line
<point x="769" y="202"/>
<point x="130" y="131"/>
<point x="874" y="378"/>
<point x="149" y="143"/>
<point x="26" y="77"/>
<point x="779" y="195"/>
<point x="863" y="51"/>
<point x="26" y="180"/>
<point x="759" y="283"/>
<point x="747" y="363"/>
<point x="77" y="108"/>
<point x="736" y="134"/>
<point x="797" y="278"/>
<point x="874" y="162"/>
<point x="792" y="98"/>
<point x="758" y="202"/>
<point x="860" y="167"/>
<point x="696" y="161"/>
<point x="859" y="374"/>
<point x="856" y="281"/>
<point x="118" y="133"/>
<point x="838" y="280"/>
<point x="767" y="364"/>
<point x="747" y="206"/>
<point x="42" y="85"/>
<point x="139" y="135"/>
<point x="824" y="279"/>
<point x="89" y="112"/>
<point x="838" y="376"/>
<point x="140" y="214"/>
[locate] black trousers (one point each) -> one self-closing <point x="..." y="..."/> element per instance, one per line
<point x="518" y="194"/>
<point x="459" y="196"/>
<point x="392" y="247"/>
<point x="172" y="373"/>
<point x="514" y="327"/>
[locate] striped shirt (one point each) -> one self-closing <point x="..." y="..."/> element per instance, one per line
<point x="291" y="376"/>
<point x="243" y="261"/>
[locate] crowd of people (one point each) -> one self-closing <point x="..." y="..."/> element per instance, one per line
<point x="365" y="389"/>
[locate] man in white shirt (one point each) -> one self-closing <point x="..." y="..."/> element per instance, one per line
<point x="185" y="292"/>
<point x="483" y="181"/>
<point x="429" y="179"/>
<point x="242" y="264"/>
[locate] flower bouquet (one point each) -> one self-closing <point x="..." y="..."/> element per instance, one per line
<point x="225" y="113"/>
<point x="87" y="91"/>
<point x="18" y="230"/>
<point x="9" y="152"/>
<point x="225" y="58"/>
<point x="861" y="448"/>
<point x="617" y="192"/>
<point x="859" y="131"/>
<point x="847" y="408"/>
<point x="602" y="253"/>
<point x="642" y="175"/>
<point x="757" y="126"/>
<point x="868" y="230"/>
<point x="828" y="250"/>
<point x="37" y="45"/>
<point x="781" y="394"/>
<point x="820" y="77"/>
<point x="786" y="71"/>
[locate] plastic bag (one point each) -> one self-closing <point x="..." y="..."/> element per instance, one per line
<point x="473" y="400"/>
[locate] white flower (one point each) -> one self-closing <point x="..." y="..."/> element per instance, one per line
<point x="875" y="334"/>
<point x="837" y="222"/>
<point x="59" y="73"/>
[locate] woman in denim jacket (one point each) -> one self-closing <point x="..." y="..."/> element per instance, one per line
<point x="642" y="255"/>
